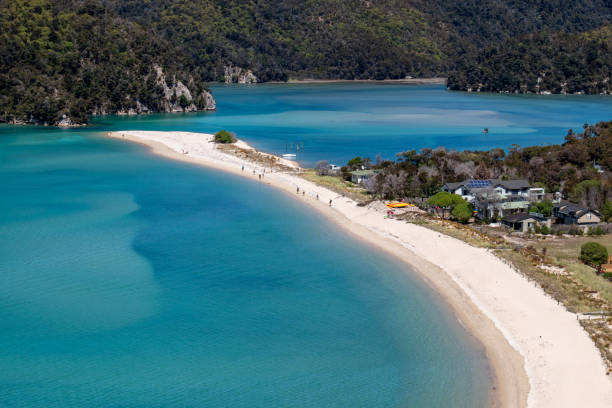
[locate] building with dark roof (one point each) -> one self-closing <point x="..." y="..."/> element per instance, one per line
<point x="570" y="213"/>
<point x="525" y="222"/>
<point x="493" y="197"/>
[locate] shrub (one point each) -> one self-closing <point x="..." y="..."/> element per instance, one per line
<point x="445" y="199"/>
<point x="543" y="207"/>
<point x="606" y="211"/>
<point x="223" y="136"/>
<point x="594" y="253"/>
<point x="544" y="230"/>
<point x="463" y="212"/>
<point x="607" y="275"/>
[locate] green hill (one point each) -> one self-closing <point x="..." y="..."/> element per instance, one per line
<point x="63" y="60"/>
<point x="541" y="62"/>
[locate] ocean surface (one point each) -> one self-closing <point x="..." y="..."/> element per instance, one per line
<point x="336" y="122"/>
<point x="129" y="280"/>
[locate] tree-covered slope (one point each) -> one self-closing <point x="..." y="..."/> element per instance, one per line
<point x="62" y="61"/>
<point x="77" y="57"/>
<point x="540" y="62"/>
<point x="352" y="38"/>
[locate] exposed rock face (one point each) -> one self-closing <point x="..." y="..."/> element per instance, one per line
<point x="238" y="75"/>
<point x="178" y="97"/>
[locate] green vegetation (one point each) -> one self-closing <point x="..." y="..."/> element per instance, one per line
<point x="223" y="136"/>
<point x="463" y="212"/>
<point x="594" y="252"/>
<point x="73" y="58"/>
<point x="567" y="168"/>
<point x="606" y="211"/>
<point x="77" y="57"/>
<point x="444" y="199"/>
<point x="556" y="62"/>
<point x="543" y="207"/>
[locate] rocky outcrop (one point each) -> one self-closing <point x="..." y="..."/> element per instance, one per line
<point x="238" y="75"/>
<point x="178" y="97"/>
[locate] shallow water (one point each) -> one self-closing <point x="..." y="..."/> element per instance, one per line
<point x="128" y="280"/>
<point x="337" y="122"/>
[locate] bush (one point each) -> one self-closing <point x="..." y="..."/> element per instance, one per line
<point x="445" y="199"/>
<point x="463" y="212"/>
<point x="543" y="207"/>
<point x="594" y="253"/>
<point x="607" y="275"/>
<point x="606" y="211"/>
<point x="544" y="230"/>
<point x="223" y="136"/>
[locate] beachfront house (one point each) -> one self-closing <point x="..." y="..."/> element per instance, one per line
<point x="493" y="198"/>
<point x="569" y="213"/>
<point x="525" y="222"/>
<point x="333" y="169"/>
<point x="361" y="176"/>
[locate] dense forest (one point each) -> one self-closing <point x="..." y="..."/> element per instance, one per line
<point x="64" y="60"/>
<point x="580" y="168"/>
<point x="77" y="57"/>
<point x="540" y="63"/>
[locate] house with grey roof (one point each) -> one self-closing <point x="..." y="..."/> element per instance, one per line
<point x="569" y="213"/>
<point x="525" y="222"/>
<point x="493" y="197"/>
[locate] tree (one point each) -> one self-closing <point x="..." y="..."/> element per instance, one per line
<point x="593" y="252"/>
<point x="354" y="162"/>
<point x="606" y="211"/>
<point x="542" y="207"/>
<point x="463" y="212"/>
<point x="445" y="200"/>
<point x="223" y="136"/>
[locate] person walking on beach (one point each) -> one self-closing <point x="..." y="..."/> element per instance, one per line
<point x="330" y="203"/>
<point x="243" y="167"/>
<point x="297" y="191"/>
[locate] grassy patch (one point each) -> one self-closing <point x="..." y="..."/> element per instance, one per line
<point x="337" y="185"/>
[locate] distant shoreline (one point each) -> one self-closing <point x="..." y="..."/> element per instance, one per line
<point x="404" y="81"/>
<point x="538" y="352"/>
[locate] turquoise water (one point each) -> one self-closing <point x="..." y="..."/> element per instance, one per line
<point x="128" y="280"/>
<point x="336" y="122"/>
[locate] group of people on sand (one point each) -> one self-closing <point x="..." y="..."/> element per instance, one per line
<point x="297" y="191"/>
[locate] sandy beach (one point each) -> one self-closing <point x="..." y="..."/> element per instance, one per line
<point x="539" y="354"/>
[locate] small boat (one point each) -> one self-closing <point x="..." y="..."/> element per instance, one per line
<point x="289" y="156"/>
<point x="397" y="205"/>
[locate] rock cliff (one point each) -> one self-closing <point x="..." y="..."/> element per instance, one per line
<point x="238" y="75"/>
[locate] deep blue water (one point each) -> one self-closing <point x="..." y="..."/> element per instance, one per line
<point x="127" y="280"/>
<point x="337" y="122"/>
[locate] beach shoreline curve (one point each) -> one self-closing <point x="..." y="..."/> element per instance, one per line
<point x="528" y="369"/>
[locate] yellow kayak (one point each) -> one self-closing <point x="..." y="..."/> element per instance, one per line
<point x="397" y="205"/>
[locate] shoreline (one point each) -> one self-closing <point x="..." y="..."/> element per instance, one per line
<point x="403" y="81"/>
<point x="558" y="366"/>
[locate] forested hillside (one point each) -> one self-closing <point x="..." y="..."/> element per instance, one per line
<point x="77" y="57"/>
<point x="64" y="60"/>
<point x="540" y="62"/>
